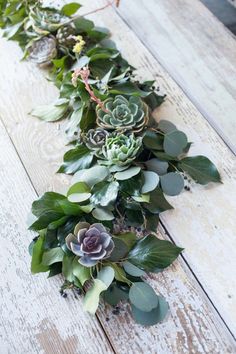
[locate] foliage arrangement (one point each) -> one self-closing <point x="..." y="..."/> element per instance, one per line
<point x="101" y="235"/>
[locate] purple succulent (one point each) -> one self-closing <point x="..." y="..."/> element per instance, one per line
<point x="91" y="243"/>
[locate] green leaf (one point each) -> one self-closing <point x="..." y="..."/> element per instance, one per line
<point x="76" y="159"/>
<point x="153" y="141"/>
<point x="115" y="294"/>
<point x="119" y="273"/>
<point x="52" y="112"/>
<point x="102" y="214"/>
<point x="150" y="253"/>
<point x="103" y="281"/>
<point x="91" y="176"/>
<point x="129" y="89"/>
<point x="53" y="255"/>
<point x="142" y="198"/>
<point x="200" y="168"/>
<point x="166" y="126"/>
<point x="129" y="173"/>
<point x="154" y="316"/>
<point x="158" y="166"/>
<point x="172" y="183"/>
<point x="37" y="255"/>
<point x="78" y="192"/>
<point x="129" y="238"/>
<point x="133" y="270"/>
<point x="67" y="268"/>
<point x="158" y="202"/>
<point x="174" y="143"/>
<point x="83" y="25"/>
<point x="143" y="297"/>
<point x="119" y="252"/>
<point x="70" y="9"/>
<point x="151" y="180"/>
<point x="105" y="193"/>
<point x="152" y="221"/>
<point x="80" y="272"/>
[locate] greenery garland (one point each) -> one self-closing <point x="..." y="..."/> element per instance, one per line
<point x="101" y="235"/>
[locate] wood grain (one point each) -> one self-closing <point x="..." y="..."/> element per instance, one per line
<point x="34" y="317"/>
<point x="196" y="49"/>
<point x="194" y="326"/>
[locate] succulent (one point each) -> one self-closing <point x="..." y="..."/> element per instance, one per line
<point x="45" y="20"/>
<point x="43" y="50"/>
<point x="122" y="114"/>
<point x="121" y="150"/>
<point x="65" y="36"/>
<point x="95" y="138"/>
<point x="91" y="243"/>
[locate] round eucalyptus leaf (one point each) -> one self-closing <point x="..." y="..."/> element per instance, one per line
<point x="129" y="173"/>
<point x="175" y="142"/>
<point x="143" y="296"/>
<point x="115" y="168"/>
<point x="106" y="275"/>
<point x="152" y="317"/>
<point x="102" y="214"/>
<point x="133" y="270"/>
<point x="91" y="176"/>
<point x="166" y="126"/>
<point x="151" y="180"/>
<point x="172" y="183"/>
<point x="158" y="166"/>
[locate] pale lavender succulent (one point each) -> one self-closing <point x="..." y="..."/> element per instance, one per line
<point x="91" y="243"/>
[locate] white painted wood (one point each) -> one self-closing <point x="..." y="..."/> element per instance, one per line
<point x="34" y="317"/>
<point x="196" y="49"/>
<point x="194" y="327"/>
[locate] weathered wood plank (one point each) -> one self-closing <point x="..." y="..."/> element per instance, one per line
<point x="196" y="49"/>
<point x="34" y="317"/>
<point x="194" y="327"/>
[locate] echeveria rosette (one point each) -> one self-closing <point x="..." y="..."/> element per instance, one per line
<point x="44" y="21"/>
<point x="43" y="50"/>
<point x="123" y="115"/>
<point x="95" y="138"/>
<point x="121" y="150"/>
<point x="92" y="243"/>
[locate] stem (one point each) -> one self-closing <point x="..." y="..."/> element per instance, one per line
<point x="109" y="3"/>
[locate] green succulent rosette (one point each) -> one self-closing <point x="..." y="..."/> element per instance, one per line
<point x="121" y="150"/>
<point x="44" y="21"/>
<point x="122" y="114"/>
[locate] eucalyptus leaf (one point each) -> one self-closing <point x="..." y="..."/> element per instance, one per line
<point x="102" y="214"/>
<point x="166" y="126"/>
<point x="158" y="166"/>
<point x="133" y="270"/>
<point x="154" y="316"/>
<point x="174" y="143"/>
<point x="150" y="253"/>
<point x="129" y="173"/>
<point x="143" y="297"/>
<point x="115" y="294"/>
<point x="91" y="176"/>
<point x="151" y="180"/>
<point x="200" y="168"/>
<point x="172" y="183"/>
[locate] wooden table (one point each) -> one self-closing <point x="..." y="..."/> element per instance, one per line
<point x="192" y="57"/>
